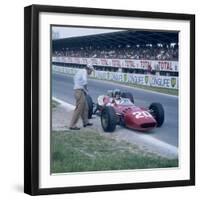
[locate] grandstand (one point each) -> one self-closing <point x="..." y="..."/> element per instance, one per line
<point x="128" y="51"/>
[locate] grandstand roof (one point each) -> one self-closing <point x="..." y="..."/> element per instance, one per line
<point x="123" y="38"/>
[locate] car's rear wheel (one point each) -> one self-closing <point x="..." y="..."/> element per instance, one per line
<point x="128" y="95"/>
<point x="157" y="111"/>
<point x="90" y="106"/>
<point x="108" y="119"/>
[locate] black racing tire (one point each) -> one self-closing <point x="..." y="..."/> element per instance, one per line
<point x="108" y="119"/>
<point x="128" y="95"/>
<point x="158" y="113"/>
<point x="90" y="106"/>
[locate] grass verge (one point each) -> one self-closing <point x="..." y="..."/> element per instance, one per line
<point x="79" y="151"/>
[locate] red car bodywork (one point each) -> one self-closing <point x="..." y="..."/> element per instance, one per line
<point x="134" y="117"/>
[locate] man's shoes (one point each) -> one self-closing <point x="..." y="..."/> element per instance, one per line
<point x="88" y="124"/>
<point x="74" y="128"/>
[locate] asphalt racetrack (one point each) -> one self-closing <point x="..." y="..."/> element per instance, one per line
<point x="62" y="88"/>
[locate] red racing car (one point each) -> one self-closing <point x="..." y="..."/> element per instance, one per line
<point x="118" y="108"/>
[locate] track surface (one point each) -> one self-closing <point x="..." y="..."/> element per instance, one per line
<point x="62" y="88"/>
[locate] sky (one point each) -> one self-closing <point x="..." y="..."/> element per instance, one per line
<point x="66" y="32"/>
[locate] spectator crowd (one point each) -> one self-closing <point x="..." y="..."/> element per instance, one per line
<point x="147" y="52"/>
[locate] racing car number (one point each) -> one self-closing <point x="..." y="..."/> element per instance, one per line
<point x="142" y="114"/>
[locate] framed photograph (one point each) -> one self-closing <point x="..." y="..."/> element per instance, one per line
<point x="109" y="99"/>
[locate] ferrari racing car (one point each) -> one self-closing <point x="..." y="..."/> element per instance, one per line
<point x="118" y="108"/>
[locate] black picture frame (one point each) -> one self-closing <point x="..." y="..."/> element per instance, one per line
<point x="31" y="98"/>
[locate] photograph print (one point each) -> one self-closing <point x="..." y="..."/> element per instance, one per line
<point x="109" y="99"/>
<point x="114" y="99"/>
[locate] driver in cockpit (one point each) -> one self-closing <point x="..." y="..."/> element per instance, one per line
<point x="116" y="96"/>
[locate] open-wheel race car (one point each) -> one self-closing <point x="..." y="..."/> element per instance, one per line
<point x="118" y="108"/>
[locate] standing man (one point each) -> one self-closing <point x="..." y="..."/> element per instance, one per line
<point x="80" y="92"/>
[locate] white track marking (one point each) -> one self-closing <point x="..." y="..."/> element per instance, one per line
<point x="156" y="145"/>
<point x="160" y="143"/>
<point x="65" y="104"/>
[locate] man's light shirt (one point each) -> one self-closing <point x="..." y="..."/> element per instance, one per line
<point x="80" y="79"/>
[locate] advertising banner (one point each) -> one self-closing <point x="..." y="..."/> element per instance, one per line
<point x="157" y="65"/>
<point x="139" y="79"/>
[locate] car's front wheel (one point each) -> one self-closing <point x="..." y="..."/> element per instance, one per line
<point x="108" y="119"/>
<point x="157" y="111"/>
